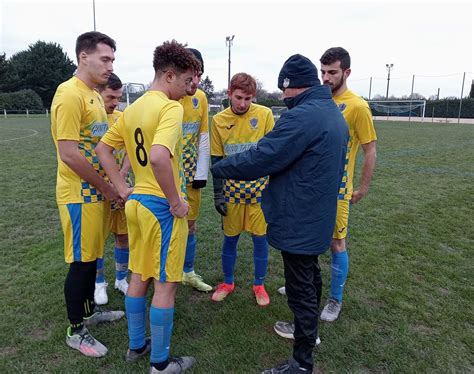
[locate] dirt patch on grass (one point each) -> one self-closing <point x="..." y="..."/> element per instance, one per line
<point x="8" y="351"/>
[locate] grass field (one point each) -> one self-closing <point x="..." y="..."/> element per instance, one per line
<point x="409" y="299"/>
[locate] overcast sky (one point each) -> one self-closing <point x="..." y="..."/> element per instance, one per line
<point x="431" y="39"/>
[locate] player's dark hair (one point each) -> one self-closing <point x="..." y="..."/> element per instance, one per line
<point x="244" y="82"/>
<point x="173" y="55"/>
<point x="88" y="41"/>
<point x="113" y="83"/>
<point x="336" y="54"/>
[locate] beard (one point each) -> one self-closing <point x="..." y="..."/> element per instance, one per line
<point x="336" y="86"/>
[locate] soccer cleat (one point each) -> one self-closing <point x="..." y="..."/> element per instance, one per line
<point x="101" y="316"/>
<point x="261" y="295"/>
<point x="176" y="365"/>
<point x="134" y="356"/>
<point x="331" y="310"/>
<point x="100" y="294"/>
<point x="194" y="280"/>
<point x="85" y="343"/>
<point x="282" y="291"/>
<point x="122" y="285"/>
<point x="222" y="291"/>
<point x="289" y="367"/>
<point x="287" y="329"/>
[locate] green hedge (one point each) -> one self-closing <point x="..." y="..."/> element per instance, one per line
<point x="449" y="108"/>
<point x="21" y="100"/>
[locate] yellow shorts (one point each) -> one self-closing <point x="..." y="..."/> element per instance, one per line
<point x="244" y="217"/>
<point x="194" y="201"/>
<point x="342" y="219"/>
<point x="85" y="228"/>
<point x="157" y="239"/>
<point x="118" y="222"/>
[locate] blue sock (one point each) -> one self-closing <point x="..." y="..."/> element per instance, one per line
<point x="229" y="255"/>
<point x="121" y="263"/>
<point x="260" y="258"/>
<point x="161" y="322"/>
<point x="135" y="307"/>
<point x="99" y="277"/>
<point x="339" y="270"/>
<point x="190" y="253"/>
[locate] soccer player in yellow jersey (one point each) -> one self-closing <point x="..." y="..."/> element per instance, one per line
<point x="156" y="212"/>
<point x="196" y="167"/>
<point x="335" y="69"/>
<point x="234" y="130"/>
<point x="78" y="120"/>
<point x="111" y="93"/>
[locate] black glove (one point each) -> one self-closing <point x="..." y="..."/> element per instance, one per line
<point x="199" y="184"/>
<point x="219" y="204"/>
<point x="219" y="200"/>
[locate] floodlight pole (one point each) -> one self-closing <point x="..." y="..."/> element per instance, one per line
<point x="93" y="11"/>
<point x="389" y="67"/>
<point x="228" y="42"/>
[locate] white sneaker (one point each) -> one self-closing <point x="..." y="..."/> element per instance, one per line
<point x="100" y="294"/>
<point x="331" y="310"/>
<point x="85" y="343"/>
<point x="282" y="291"/>
<point x="122" y="285"/>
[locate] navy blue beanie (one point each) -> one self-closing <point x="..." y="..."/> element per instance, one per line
<point x="298" y="72"/>
<point x="198" y="55"/>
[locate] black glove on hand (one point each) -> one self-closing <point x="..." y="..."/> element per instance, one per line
<point x="199" y="184"/>
<point x="219" y="203"/>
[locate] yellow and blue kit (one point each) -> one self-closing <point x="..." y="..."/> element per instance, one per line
<point x="157" y="239"/>
<point x="78" y="114"/>
<point x="195" y="147"/>
<point x="231" y="134"/>
<point x="358" y="116"/>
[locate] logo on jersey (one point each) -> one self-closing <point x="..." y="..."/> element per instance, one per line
<point x="342" y="107"/>
<point x="92" y="101"/>
<point x="254" y="123"/>
<point x="230" y="126"/>
<point x="195" y="102"/>
<point x="341" y="230"/>
<point x="99" y="129"/>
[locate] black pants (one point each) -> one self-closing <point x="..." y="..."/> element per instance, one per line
<point x="303" y="284"/>
<point x="79" y="290"/>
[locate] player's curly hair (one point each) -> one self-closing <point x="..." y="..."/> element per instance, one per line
<point x="336" y="54"/>
<point x="244" y="82"/>
<point x="88" y="41"/>
<point x="173" y="55"/>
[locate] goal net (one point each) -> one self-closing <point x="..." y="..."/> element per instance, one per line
<point x="398" y="108"/>
<point x="278" y="111"/>
<point x="131" y="92"/>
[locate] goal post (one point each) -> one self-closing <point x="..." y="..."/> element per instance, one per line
<point x="131" y="92"/>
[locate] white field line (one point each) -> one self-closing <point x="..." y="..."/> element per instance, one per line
<point x="21" y="137"/>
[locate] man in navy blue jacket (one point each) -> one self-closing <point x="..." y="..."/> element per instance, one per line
<point x="304" y="156"/>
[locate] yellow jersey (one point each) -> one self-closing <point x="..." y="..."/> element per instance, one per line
<point x="78" y="114"/>
<point x="232" y="133"/>
<point x="195" y="122"/>
<point x="153" y="119"/>
<point x="358" y="116"/>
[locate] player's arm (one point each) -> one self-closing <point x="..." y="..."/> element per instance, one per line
<point x="273" y="153"/>
<point x="160" y="158"/>
<point x="368" y="166"/>
<point x="70" y="155"/>
<point x="202" y="167"/>
<point x="125" y="167"/>
<point x="107" y="160"/>
<point x="217" y="154"/>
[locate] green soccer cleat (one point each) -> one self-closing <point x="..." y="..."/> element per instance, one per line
<point x="194" y="280"/>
